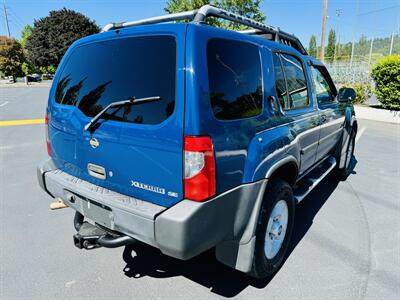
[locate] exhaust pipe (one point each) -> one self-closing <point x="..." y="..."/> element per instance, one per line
<point x="89" y="236"/>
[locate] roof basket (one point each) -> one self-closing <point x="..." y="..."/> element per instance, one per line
<point x="200" y="16"/>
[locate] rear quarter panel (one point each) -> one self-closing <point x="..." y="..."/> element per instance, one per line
<point x="245" y="149"/>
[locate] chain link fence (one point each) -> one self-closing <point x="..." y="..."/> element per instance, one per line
<point x="350" y="72"/>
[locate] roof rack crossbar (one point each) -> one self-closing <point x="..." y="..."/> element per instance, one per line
<point x="200" y="16"/>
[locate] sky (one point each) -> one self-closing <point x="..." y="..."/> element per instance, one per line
<point x="372" y="18"/>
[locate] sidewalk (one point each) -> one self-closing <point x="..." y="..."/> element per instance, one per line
<point x="377" y="114"/>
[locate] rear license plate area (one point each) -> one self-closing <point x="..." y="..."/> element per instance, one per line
<point x="95" y="211"/>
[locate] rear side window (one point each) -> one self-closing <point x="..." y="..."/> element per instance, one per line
<point x="323" y="90"/>
<point x="100" y="73"/>
<point x="235" y="79"/>
<point x="296" y="82"/>
<point x="280" y="82"/>
<point x="290" y="82"/>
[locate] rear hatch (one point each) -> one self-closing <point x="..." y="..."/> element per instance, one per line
<point x="135" y="149"/>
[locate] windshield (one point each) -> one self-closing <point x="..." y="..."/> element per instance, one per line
<point x="98" y="74"/>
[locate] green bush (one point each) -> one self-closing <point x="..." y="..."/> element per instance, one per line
<point x="363" y="91"/>
<point x="386" y="74"/>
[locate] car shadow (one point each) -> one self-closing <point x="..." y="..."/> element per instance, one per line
<point x="143" y="260"/>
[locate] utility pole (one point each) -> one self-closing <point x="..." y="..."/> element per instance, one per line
<point x="391" y="44"/>
<point x="5" y="14"/>
<point x="353" y="43"/>
<point x="335" y="54"/>
<point x="322" y="54"/>
<point x="370" y="51"/>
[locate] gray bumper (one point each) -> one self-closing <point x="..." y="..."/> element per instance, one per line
<point x="182" y="231"/>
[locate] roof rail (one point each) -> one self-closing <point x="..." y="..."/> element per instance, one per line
<point x="200" y="16"/>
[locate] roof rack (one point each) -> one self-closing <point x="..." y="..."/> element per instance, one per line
<point x="200" y="16"/>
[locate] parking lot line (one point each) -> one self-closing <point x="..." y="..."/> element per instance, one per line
<point x="21" y="122"/>
<point x="360" y="133"/>
<point x="4" y="104"/>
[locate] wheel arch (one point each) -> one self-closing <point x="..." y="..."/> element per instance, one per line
<point x="286" y="169"/>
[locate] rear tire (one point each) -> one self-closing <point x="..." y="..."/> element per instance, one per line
<point x="274" y="229"/>
<point x="343" y="173"/>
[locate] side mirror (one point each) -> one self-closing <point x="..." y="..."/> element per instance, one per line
<point x="347" y="95"/>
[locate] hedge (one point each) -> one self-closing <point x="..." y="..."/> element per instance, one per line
<point x="386" y="74"/>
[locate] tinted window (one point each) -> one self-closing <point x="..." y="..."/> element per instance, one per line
<point x="322" y="89"/>
<point x="235" y="80"/>
<point x="280" y="83"/>
<point x="100" y="73"/>
<point x="296" y="82"/>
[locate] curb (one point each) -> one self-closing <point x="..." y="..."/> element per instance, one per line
<point x="376" y="114"/>
<point x="24" y="85"/>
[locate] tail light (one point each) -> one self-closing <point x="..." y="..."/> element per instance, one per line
<point x="199" y="182"/>
<point x="46" y="122"/>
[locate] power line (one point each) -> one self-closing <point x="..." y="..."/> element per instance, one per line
<point x="15" y="24"/>
<point x="15" y="20"/>
<point x="378" y="10"/>
<point x="18" y="19"/>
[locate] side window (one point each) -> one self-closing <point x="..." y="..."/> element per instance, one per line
<point x="235" y="79"/>
<point x="322" y="89"/>
<point x="280" y="82"/>
<point x="296" y="82"/>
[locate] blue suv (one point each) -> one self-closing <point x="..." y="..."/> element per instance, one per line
<point x="189" y="137"/>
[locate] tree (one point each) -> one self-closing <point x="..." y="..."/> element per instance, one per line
<point x="52" y="35"/>
<point x="248" y="8"/>
<point x="26" y="32"/>
<point x="27" y="67"/>
<point x="312" y="46"/>
<point x="11" y="57"/>
<point x="330" y="49"/>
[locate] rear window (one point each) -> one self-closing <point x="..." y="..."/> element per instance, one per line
<point x="100" y="73"/>
<point x="235" y="79"/>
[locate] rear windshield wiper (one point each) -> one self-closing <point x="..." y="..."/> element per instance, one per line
<point x="115" y="104"/>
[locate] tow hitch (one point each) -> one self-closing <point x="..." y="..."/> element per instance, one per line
<point x="91" y="236"/>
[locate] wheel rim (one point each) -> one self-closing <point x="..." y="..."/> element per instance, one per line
<point x="349" y="153"/>
<point x="276" y="229"/>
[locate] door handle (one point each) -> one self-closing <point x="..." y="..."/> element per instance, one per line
<point x="323" y="119"/>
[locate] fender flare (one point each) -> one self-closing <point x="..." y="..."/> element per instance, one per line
<point x="241" y="251"/>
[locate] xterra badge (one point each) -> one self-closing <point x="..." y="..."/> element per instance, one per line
<point x="154" y="189"/>
<point x="147" y="187"/>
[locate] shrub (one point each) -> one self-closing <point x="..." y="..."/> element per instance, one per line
<point x="386" y="74"/>
<point x="363" y="91"/>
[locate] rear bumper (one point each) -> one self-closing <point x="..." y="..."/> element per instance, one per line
<point x="182" y="231"/>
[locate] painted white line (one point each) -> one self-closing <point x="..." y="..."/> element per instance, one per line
<point x="360" y="133"/>
<point x="3" y="104"/>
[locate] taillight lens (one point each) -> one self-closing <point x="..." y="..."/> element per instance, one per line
<point x="46" y="122"/>
<point x="199" y="180"/>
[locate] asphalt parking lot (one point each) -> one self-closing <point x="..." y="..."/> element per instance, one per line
<point x="346" y="240"/>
